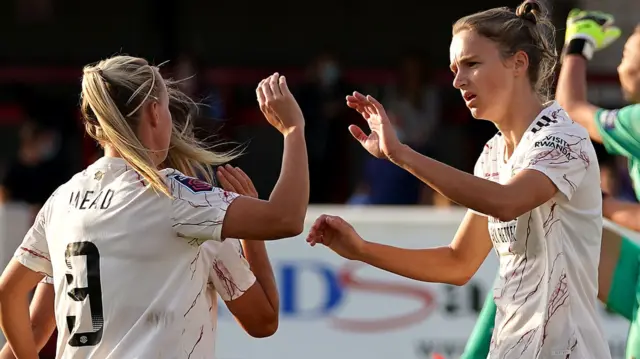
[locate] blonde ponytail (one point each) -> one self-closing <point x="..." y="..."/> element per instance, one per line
<point x="114" y="91"/>
<point x="188" y="154"/>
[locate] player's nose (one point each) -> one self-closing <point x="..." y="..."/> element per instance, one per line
<point x="459" y="80"/>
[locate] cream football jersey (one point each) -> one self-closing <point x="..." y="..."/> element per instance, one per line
<point x="547" y="286"/>
<point x="125" y="262"/>
<point x="230" y="275"/>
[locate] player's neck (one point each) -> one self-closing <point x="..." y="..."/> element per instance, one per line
<point x="109" y="151"/>
<point x="517" y="119"/>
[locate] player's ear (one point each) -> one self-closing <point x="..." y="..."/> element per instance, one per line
<point x="154" y="113"/>
<point x="150" y="115"/>
<point x="520" y="62"/>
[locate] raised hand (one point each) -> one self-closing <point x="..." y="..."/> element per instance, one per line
<point x="382" y="142"/>
<point x="278" y="104"/>
<point x="595" y="27"/>
<point x="335" y="233"/>
<point x="234" y="179"/>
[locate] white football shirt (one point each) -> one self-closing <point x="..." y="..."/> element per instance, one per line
<point x="546" y="293"/>
<point x="230" y="275"/>
<point x="124" y="261"/>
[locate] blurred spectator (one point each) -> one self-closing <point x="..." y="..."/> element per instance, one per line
<point x="40" y="165"/>
<point x="192" y="81"/>
<point x="413" y="106"/>
<point x="608" y="178"/>
<point x="322" y="100"/>
<point x="210" y="124"/>
<point x="614" y="178"/>
<point x="625" y="189"/>
<point x="614" y="175"/>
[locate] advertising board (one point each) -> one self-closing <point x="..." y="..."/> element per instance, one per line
<point x="338" y="309"/>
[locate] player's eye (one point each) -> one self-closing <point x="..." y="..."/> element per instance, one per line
<point x="473" y="64"/>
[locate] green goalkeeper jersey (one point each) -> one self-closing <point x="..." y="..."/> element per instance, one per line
<point x="620" y="131"/>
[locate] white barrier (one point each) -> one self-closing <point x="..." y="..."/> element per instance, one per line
<point x="15" y="220"/>
<point x="335" y="309"/>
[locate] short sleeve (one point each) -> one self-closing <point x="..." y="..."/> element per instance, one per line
<point x="620" y="130"/>
<point x="481" y="168"/>
<point x="230" y="272"/>
<point x="198" y="208"/>
<point x="33" y="253"/>
<point x="563" y="156"/>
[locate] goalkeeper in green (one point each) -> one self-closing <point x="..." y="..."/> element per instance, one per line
<point x="619" y="131"/>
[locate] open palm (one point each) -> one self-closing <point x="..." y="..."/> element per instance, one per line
<point x="382" y="141"/>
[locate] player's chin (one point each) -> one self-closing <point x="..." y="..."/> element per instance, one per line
<point x="476" y="113"/>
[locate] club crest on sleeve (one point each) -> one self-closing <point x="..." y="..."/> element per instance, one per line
<point x="608" y="119"/>
<point x="193" y="184"/>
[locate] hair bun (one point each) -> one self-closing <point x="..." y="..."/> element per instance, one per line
<point x="528" y="10"/>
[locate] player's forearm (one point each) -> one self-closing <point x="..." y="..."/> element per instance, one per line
<point x="290" y="196"/>
<point x="15" y="323"/>
<point x="42" y="311"/>
<point x="571" y="94"/>
<point x="626" y="214"/>
<point x="572" y="82"/>
<point x="476" y="193"/>
<point x="436" y="265"/>
<point x="258" y="258"/>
